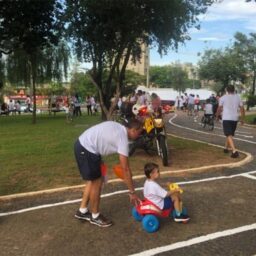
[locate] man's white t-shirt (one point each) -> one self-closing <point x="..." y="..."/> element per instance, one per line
<point x="154" y="193"/>
<point x="231" y="104"/>
<point x="106" y="138"/>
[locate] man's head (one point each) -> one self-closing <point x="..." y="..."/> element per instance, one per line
<point x="134" y="128"/>
<point x="230" y="89"/>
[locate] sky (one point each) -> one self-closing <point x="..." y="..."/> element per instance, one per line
<point x="218" y="26"/>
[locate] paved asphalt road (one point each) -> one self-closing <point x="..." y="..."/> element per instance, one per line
<point x="221" y="203"/>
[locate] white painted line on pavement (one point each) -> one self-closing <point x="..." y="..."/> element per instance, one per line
<point x="197" y="240"/>
<point x="246" y="175"/>
<point x="60" y="203"/>
<point x="246" y="136"/>
<point x="207" y="133"/>
<point x="118" y="193"/>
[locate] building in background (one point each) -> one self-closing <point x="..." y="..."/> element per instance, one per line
<point x="141" y="67"/>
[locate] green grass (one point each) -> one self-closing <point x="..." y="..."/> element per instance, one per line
<point x="40" y="156"/>
<point x="250" y="118"/>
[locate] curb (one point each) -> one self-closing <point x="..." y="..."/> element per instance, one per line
<point x="247" y="159"/>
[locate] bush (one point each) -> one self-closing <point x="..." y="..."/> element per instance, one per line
<point x="251" y="100"/>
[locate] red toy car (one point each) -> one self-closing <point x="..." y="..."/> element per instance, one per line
<point x="148" y="214"/>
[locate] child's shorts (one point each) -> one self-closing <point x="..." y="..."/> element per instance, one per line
<point x="168" y="203"/>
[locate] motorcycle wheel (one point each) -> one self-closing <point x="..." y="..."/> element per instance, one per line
<point x="205" y="121"/>
<point x="164" y="149"/>
<point x="211" y="124"/>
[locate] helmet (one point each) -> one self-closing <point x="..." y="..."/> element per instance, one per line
<point x="135" y="109"/>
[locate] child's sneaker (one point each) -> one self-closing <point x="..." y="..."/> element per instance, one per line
<point x="181" y="218"/>
<point x="101" y="221"/>
<point x="83" y="216"/>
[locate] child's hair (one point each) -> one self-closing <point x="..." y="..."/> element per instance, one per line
<point x="148" y="168"/>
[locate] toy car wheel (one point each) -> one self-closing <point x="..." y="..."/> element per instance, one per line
<point x="150" y="223"/>
<point x="136" y="215"/>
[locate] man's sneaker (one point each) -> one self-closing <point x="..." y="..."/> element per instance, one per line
<point x="101" y="221"/>
<point x="83" y="216"/>
<point x="235" y="154"/>
<point x="181" y="218"/>
<point x="225" y="150"/>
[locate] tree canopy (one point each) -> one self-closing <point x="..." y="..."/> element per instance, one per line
<point x="27" y="30"/>
<point x="236" y="63"/>
<point x="109" y="34"/>
<point x="28" y="24"/>
<point x="245" y="47"/>
<point x="221" y="66"/>
<point x="169" y="77"/>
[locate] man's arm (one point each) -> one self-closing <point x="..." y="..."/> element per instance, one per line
<point x="218" y="112"/>
<point x="128" y="178"/>
<point x="242" y="111"/>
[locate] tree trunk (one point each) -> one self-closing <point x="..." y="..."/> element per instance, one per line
<point x="253" y="83"/>
<point x="34" y="100"/>
<point x="33" y="85"/>
<point x="106" y="111"/>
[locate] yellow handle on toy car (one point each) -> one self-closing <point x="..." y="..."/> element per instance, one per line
<point x="175" y="187"/>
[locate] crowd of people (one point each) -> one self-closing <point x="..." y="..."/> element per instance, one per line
<point x="73" y="107"/>
<point x="191" y="103"/>
<point x="130" y="105"/>
<point x="14" y="107"/>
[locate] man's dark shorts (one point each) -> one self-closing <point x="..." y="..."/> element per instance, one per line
<point x="229" y="127"/>
<point x="89" y="164"/>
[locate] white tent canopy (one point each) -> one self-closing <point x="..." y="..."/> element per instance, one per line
<point x="171" y="94"/>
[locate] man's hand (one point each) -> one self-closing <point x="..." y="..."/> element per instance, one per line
<point x="217" y="117"/>
<point x="134" y="199"/>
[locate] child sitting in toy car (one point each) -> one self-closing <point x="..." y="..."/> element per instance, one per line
<point x="159" y="196"/>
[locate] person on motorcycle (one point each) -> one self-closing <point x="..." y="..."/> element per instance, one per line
<point x="156" y="105"/>
<point x="208" y="108"/>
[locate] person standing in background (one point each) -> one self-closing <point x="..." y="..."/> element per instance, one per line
<point x="17" y="107"/>
<point x="89" y="105"/>
<point x="229" y="106"/>
<point x="28" y="102"/>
